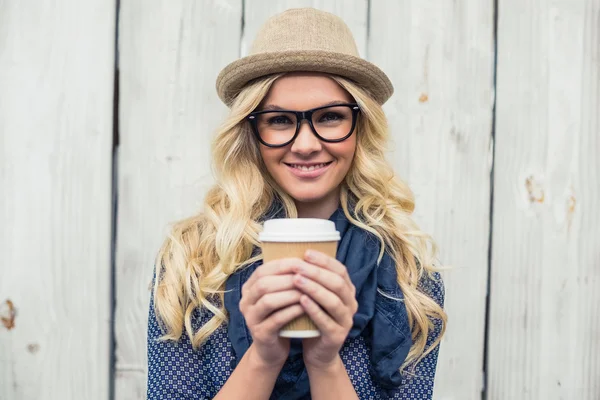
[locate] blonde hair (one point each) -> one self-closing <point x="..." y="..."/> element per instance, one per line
<point x="202" y="251"/>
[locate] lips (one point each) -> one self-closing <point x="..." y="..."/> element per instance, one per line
<point x="311" y="171"/>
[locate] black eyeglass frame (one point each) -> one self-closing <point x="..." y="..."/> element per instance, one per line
<point x="300" y="116"/>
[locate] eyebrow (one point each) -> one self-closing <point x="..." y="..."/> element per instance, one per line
<point x="276" y="107"/>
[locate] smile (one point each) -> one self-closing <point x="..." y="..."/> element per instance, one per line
<point x="312" y="171"/>
<point x="311" y="168"/>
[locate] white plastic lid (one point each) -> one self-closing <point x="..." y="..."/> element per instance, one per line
<point x="299" y="230"/>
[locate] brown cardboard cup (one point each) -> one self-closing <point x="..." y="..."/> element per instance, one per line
<point x="291" y="237"/>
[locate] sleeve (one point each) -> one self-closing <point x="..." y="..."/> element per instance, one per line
<point x="175" y="370"/>
<point x="419" y="384"/>
<point x="389" y="330"/>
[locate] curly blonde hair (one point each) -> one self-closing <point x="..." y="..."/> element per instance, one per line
<point x="202" y="251"/>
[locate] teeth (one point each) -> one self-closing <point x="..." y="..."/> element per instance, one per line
<point x="311" y="168"/>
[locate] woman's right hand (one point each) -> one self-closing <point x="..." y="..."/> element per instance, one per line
<point x="269" y="301"/>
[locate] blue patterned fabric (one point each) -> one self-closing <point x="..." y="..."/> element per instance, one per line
<point x="178" y="372"/>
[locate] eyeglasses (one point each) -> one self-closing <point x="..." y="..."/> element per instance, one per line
<point x="278" y="128"/>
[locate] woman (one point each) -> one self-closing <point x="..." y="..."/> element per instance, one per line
<point x="305" y="137"/>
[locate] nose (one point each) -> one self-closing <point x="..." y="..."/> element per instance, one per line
<point x="306" y="142"/>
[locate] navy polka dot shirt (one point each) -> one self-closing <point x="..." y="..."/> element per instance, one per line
<point x="178" y="372"/>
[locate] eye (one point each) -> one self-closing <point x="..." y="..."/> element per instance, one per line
<point x="279" y="120"/>
<point x="331" y="116"/>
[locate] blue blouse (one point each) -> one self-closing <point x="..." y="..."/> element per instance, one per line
<point x="178" y="372"/>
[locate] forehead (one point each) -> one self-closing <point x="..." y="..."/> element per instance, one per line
<point x="304" y="90"/>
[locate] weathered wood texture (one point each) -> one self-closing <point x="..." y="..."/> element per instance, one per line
<point x="440" y="57"/>
<point x="170" y="54"/>
<point x="545" y="299"/>
<point x="56" y="103"/>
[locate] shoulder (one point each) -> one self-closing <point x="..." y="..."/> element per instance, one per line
<point x="432" y="285"/>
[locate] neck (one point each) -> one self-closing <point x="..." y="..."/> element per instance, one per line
<point x="323" y="208"/>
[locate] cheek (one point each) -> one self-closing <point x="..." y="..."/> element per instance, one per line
<point x="344" y="151"/>
<point x="271" y="157"/>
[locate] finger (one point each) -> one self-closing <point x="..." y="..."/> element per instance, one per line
<point x="272" y="302"/>
<point x="274" y="267"/>
<point x="268" y="284"/>
<point x="273" y="324"/>
<point x="322" y="320"/>
<point x="330" y="280"/>
<point x="329" y="301"/>
<point x="327" y="262"/>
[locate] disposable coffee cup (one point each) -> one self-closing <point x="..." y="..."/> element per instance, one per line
<point x="291" y="237"/>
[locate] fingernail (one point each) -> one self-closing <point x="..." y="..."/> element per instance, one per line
<point x="310" y="255"/>
<point x="301" y="280"/>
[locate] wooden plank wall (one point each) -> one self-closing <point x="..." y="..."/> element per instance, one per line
<point x="55" y="177"/>
<point x="56" y="108"/>
<point x="170" y="54"/>
<point x="545" y="298"/>
<point x="440" y="57"/>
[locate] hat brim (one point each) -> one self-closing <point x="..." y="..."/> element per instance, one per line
<point x="237" y="74"/>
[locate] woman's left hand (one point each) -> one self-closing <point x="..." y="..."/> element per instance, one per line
<point x="329" y="300"/>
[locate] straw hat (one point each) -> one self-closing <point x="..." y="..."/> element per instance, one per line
<point x="303" y="39"/>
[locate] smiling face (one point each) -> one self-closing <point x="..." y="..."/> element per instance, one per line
<point x="309" y="169"/>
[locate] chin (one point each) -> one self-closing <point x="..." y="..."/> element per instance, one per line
<point x="304" y="197"/>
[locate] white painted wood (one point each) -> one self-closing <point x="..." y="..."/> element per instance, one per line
<point x="545" y="324"/>
<point x="439" y="56"/>
<point x="56" y="80"/>
<point x="353" y="12"/>
<point x="56" y="85"/>
<point x="170" y="55"/>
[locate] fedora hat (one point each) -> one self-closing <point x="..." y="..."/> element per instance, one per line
<point x="303" y="39"/>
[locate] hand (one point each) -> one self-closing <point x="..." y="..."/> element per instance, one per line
<point x="269" y="301"/>
<point x="329" y="300"/>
